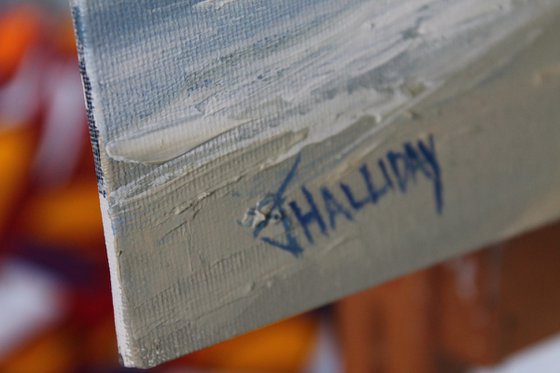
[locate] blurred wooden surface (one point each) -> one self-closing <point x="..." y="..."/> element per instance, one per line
<point x="507" y="300"/>
<point x="471" y="311"/>
<point x="389" y="328"/>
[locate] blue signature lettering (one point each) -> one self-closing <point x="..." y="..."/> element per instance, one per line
<point x="395" y="173"/>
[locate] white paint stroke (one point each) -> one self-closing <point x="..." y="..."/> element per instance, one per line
<point x="359" y="60"/>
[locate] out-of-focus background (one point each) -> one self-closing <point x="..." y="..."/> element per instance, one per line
<point x="497" y="310"/>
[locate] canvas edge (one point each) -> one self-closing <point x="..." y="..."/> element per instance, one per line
<point x="123" y="338"/>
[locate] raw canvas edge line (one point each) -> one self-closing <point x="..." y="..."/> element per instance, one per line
<point x="123" y="338"/>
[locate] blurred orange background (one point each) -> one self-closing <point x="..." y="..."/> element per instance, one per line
<point x="55" y="300"/>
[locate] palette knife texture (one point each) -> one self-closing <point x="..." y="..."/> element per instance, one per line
<point x="258" y="158"/>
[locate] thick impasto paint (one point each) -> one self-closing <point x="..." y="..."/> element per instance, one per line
<point x="257" y="158"/>
<point x="233" y="70"/>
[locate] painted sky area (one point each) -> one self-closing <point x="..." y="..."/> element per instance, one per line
<point x="176" y="74"/>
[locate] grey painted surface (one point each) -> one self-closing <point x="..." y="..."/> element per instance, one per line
<point x="205" y="241"/>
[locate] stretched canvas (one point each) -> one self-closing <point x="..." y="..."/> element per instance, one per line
<point x="258" y="158"/>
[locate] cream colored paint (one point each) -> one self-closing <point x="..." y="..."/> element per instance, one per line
<point x="441" y="42"/>
<point x="185" y="272"/>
